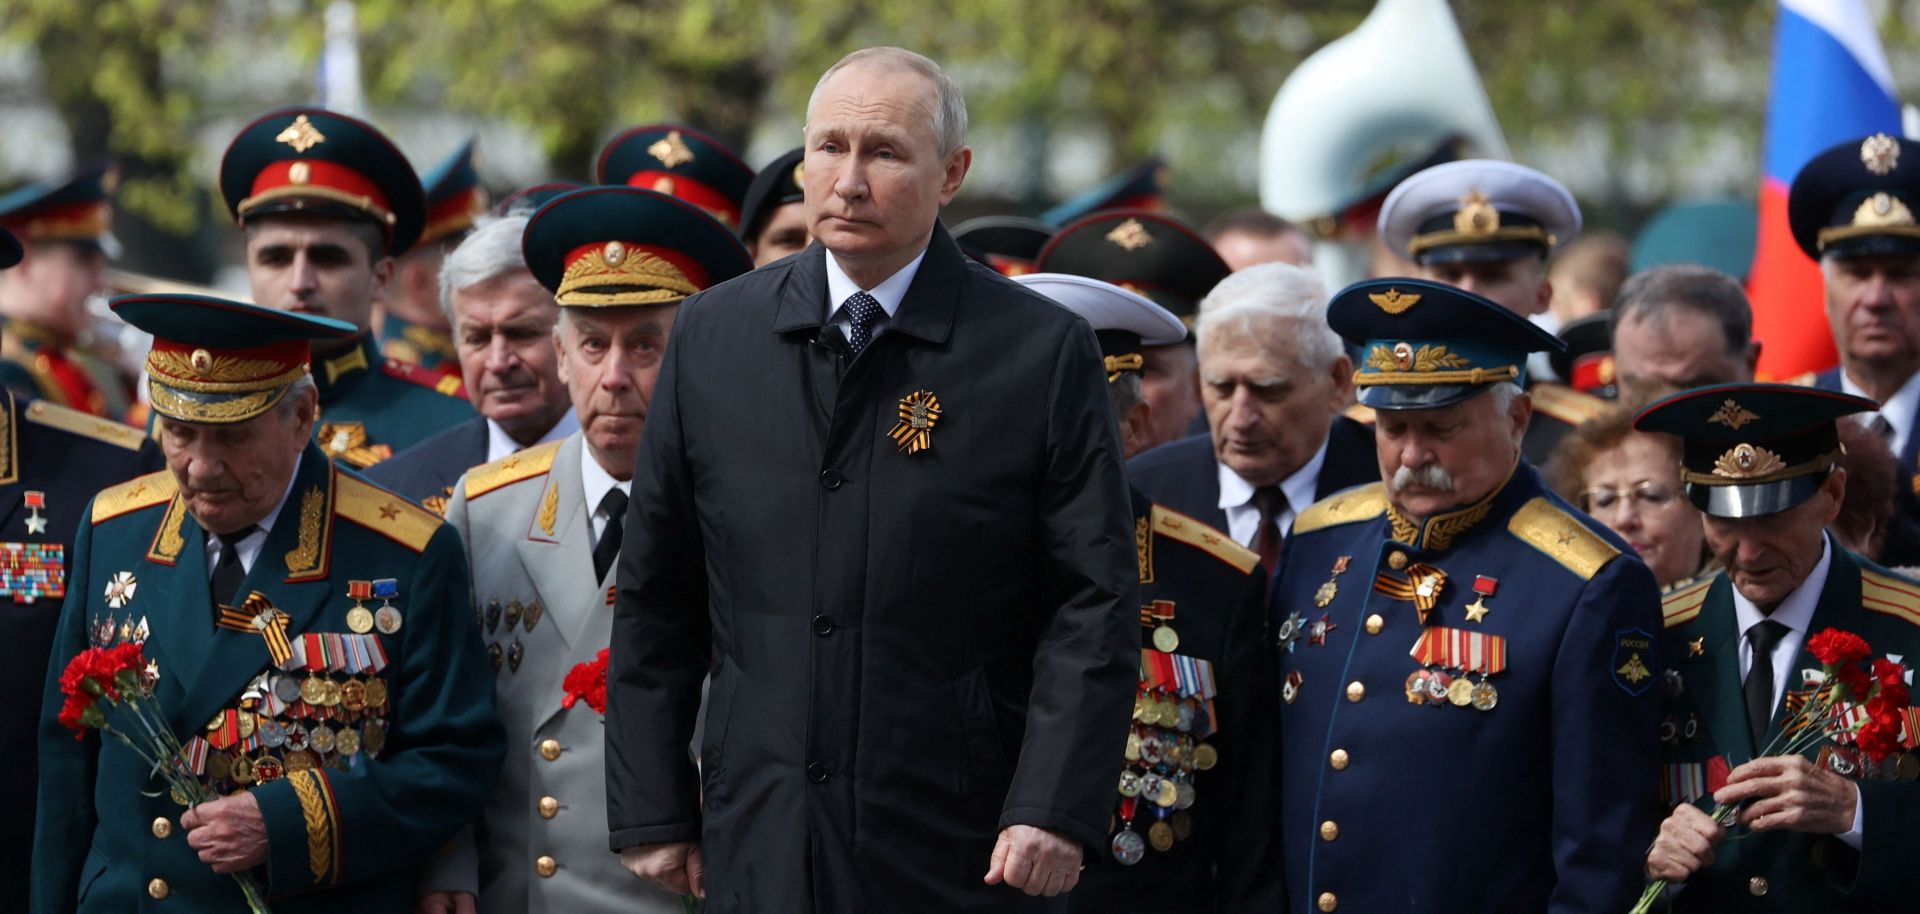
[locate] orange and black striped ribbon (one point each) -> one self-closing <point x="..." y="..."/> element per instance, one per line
<point x="258" y="614"/>
<point x="1422" y="586"/>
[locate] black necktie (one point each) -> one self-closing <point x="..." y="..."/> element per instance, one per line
<point x="1764" y="635"/>
<point x="865" y="311"/>
<point x="614" y="505"/>
<point x="1880" y="426"/>
<point x="1272" y="503"/>
<point x="227" y="572"/>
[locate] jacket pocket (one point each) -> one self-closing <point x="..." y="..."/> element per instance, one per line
<point x="986" y="755"/>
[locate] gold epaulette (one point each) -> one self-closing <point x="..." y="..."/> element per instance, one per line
<point x="85" y="425"/>
<point x="534" y="461"/>
<point x="1176" y="526"/>
<point x="1543" y="525"/>
<point x="1682" y="604"/>
<point x="1361" y="413"/>
<point x="134" y="494"/>
<point x="383" y="512"/>
<point x="1343" y="507"/>
<point x="1895" y="596"/>
<point x="1566" y="404"/>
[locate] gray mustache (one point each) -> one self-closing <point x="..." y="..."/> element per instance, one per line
<point x="1430" y="476"/>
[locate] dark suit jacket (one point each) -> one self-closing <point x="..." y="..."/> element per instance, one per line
<point x="1184" y="476"/>
<point x="909" y="651"/>
<point x="430" y="468"/>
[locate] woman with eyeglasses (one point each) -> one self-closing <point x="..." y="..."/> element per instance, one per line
<point x="1630" y="481"/>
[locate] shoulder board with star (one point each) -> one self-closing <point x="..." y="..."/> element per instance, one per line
<point x="1682" y="603"/>
<point x="134" y="494"/>
<point x="85" y="425"/>
<point x="450" y="385"/>
<point x="1176" y="526"/>
<point x="1344" y="507"/>
<point x="383" y="512"/>
<point x="1547" y="527"/>
<point x="1890" y="594"/>
<point x="1566" y="404"/>
<point x="534" y="461"/>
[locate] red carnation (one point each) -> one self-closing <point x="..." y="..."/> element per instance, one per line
<point x="1853" y="680"/>
<point x="1834" y="647"/>
<point x="587" y="682"/>
<point x="1879" y="737"/>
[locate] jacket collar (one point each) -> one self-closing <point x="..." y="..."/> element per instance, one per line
<point x="927" y="313"/>
<point x="1440" y="530"/>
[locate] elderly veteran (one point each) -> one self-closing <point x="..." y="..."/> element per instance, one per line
<point x="1193" y="810"/>
<point x="344" y="752"/>
<point x="543" y="529"/>
<point x="1836" y="834"/>
<point x="1467" y="662"/>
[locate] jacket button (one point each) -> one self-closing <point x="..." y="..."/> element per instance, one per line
<point x="1375" y="623"/>
<point x="1356" y="690"/>
<point x="1329" y="830"/>
<point x="158" y="889"/>
<point x="549" y="807"/>
<point x="822" y="626"/>
<point x="162" y="827"/>
<point x="550" y="749"/>
<point x="1757" y="885"/>
<point x="1338" y="759"/>
<point x="831" y="479"/>
<point x="817" y="772"/>
<point x="1328" y="901"/>
<point x="1397" y="560"/>
<point x="546" y="866"/>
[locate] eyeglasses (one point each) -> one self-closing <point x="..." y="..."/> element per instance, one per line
<point x="1647" y="496"/>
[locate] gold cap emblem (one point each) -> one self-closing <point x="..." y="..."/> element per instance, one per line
<point x="614" y="253"/>
<point x="1732" y="415"/>
<point x="1746" y="461"/>
<point x="671" y="150"/>
<point x="664" y="185"/>
<point x="300" y="173"/>
<point x="1394" y="301"/>
<point x="301" y="135"/>
<point x="201" y="360"/>
<point x="1476" y="216"/>
<point x="1882" y="209"/>
<point x="1130" y="235"/>
<point x="1880" y="153"/>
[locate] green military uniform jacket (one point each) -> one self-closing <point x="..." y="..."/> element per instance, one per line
<point x="1706" y="717"/>
<point x="372" y="407"/>
<point x="345" y="829"/>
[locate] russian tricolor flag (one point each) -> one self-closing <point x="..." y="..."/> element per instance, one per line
<point x="1830" y="84"/>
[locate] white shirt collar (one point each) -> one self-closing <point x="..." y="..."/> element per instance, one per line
<point x="595" y="483"/>
<point x="500" y="444"/>
<point x="1298" y="487"/>
<point x="1898" y="409"/>
<point x="1796" y="611"/>
<point x="889" y="293"/>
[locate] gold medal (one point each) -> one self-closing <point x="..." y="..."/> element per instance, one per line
<point x="301" y="761"/>
<point x="360" y="620"/>
<point x="329" y="693"/>
<point x="242" y="770"/>
<point x="1167" y="795"/>
<point x="353" y="695"/>
<point x="1205" y="757"/>
<point x="312" y="690"/>
<point x="1166" y="639"/>
<point x="376" y="692"/>
<point x="1133" y="747"/>
<point x="246" y="722"/>
<point x="374" y="738"/>
<point x="1417" y="687"/>
<point x="1160" y="835"/>
<point x="1460" y="692"/>
<point x="347" y="743"/>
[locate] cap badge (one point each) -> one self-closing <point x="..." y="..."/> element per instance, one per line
<point x="664" y="185"/>
<point x="1732" y="415"/>
<point x="1130" y="235"/>
<point x="1880" y="153"/>
<point x="1476" y="216"/>
<point x="614" y="253"/>
<point x="1403" y="357"/>
<point x="1394" y="301"/>
<point x="672" y="151"/>
<point x="300" y="173"/>
<point x="1746" y="461"/>
<point x="301" y="135"/>
<point x="201" y="360"/>
<point x="918" y="413"/>
<point x="1882" y="209"/>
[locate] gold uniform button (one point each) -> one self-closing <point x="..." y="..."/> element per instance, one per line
<point x="1375" y="623"/>
<point x="550" y="749"/>
<point x="545" y="866"/>
<point x="1338" y="759"/>
<point x="159" y="889"/>
<point x="1757" y="885"/>
<point x="549" y="807"/>
<point x="1397" y="560"/>
<point x="162" y="827"/>
<point x="1328" y="901"/>
<point x="1356" y="691"/>
<point x="1329" y="830"/>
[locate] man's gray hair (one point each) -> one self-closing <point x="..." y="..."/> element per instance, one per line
<point x="1258" y="297"/>
<point x="491" y="249"/>
<point x="290" y="401"/>
<point x="949" y="111"/>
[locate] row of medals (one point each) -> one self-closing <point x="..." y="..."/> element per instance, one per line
<point x="1162" y="757"/>
<point x="1439" y="688"/>
<point x="355" y="705"/>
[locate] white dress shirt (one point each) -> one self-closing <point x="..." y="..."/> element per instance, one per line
<point x="1796" y="613"/>
<point x="1243" y="516"/>
<point x="249" y="547"/>
<point x="1898" y="409"/>
<point x="595" y="483"/>
<point x="889" y="293"/>
<point x="500" y="444"/>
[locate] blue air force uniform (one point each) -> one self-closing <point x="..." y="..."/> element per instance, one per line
<point x="368" y="736"/>
<point x="1465" y="700"/>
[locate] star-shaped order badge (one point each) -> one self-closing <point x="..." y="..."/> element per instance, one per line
<point x="36" y="501"/>
<point x="918" y="413"/>
<point x="120" y="589"/>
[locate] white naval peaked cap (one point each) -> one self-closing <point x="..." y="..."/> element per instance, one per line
<point x="1477" y="209"/>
